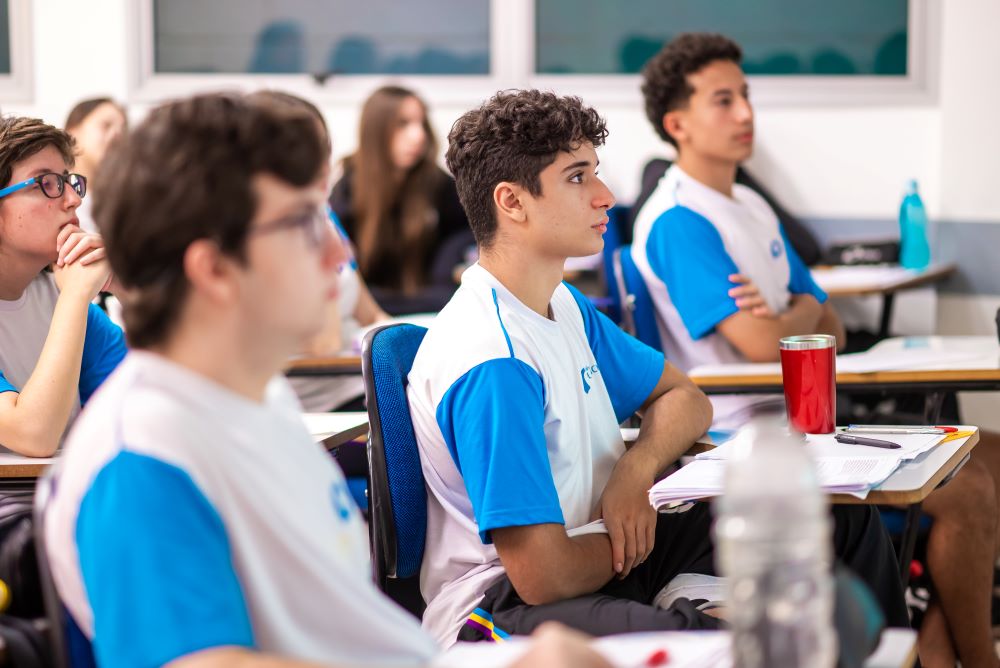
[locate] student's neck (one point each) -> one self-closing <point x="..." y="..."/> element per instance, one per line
<point x="16" y="274"/>
<point x="715" y="174"/>
<point x="530" y="278"/>
<point x="226" y="352"/>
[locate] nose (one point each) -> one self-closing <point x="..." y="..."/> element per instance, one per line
<point x="744" y="110"/>
<point x="604" y="199"/>
<point x="334" y="251"/>
<point x="70" y="199"/>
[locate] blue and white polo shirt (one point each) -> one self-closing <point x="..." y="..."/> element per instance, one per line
<point x="688" y="239"/>
<point x="516" y="417"/>
<point x="187" y="517"/>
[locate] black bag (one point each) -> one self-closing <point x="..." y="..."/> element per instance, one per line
<point x="25" y="644"/>
<point x="18" y="564"/>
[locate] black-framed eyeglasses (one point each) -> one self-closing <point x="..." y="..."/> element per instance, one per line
<point x="51" y="184"/>
<point x="314" y="222"/>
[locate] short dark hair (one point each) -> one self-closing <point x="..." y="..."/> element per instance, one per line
<point x="664" y="78"/>
<point x="281" y="98"/>
<point x="78" y="114"/>
<point x="512" y="137"/>
<point x="22" y="137"/>
<point x="185" y="174"/>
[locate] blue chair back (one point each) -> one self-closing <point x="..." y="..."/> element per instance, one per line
<point x="638" y="313"/>
<point x="397" y="496"/>
<point x="70" y="647"/>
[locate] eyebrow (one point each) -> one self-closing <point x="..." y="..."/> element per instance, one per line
<point x="42" y="170"/>
<point x="578" y="164"/>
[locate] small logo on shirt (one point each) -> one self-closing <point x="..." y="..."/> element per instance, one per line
<point x="586" y="373"/>
<point x="775" y="249"/>
<point x="342" y="500"/>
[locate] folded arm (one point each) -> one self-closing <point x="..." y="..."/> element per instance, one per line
<point x="545" y="565"/>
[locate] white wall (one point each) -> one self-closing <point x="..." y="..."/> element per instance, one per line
<point x="848" y="161"/>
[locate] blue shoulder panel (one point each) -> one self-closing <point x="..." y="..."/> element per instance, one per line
<point x="103" y="348"/>
<point x="156" y="565"/>
<point x="493" y="421"/>
<point x="686" y="252"/>
<point x="5" y="385"/>
<point x="800" y="280"/>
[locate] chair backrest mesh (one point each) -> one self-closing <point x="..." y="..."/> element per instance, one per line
<point x="392" y="350"/>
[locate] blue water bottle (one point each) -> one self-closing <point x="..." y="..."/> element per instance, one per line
<point x="915" y="253"/>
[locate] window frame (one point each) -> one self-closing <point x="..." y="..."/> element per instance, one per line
<point x="512" y="25"/>
<point x="18" y="85"/>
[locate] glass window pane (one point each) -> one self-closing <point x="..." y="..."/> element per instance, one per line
<point x="779" y="37"/>
<point x="4" y="37"/>
<point x="322" y="36"/>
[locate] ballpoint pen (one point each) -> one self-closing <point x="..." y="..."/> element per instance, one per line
<point x="897" y="429"/>
<point x="850" y="439"/>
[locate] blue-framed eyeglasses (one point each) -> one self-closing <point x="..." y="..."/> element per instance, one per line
<point x="51" y="184"/>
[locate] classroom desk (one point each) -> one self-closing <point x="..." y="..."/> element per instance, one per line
<point x="933" y="365"/>
<point x="897" y="648"/>
<point x="863" y="281"/>
<point x="18" y="472"/>
<point x="331" y="365"/>
<point x="336" y="429"/>
<point x="908" y="486"/>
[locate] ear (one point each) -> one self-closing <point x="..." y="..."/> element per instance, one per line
<point x="210" y="273"/>
<point x="509" y="201"/>
<point x="674" y="124"/>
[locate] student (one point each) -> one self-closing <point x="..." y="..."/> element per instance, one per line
<point x="727" y="286"/>
<point x="93" y="124"/>
<point x="516" y="395"/>
<point x="55" y="346"/>
<point x="353" y="309"/>
<point x="400" y="208"/>
<point x="194" y="522"/>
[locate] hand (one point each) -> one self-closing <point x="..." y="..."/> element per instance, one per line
<point x="74" y="244"/>
<point x="555" y="646"/>
<point x="81" y="266"/>
<point x="748" y="297"/>
<point x="720" y="612"/>
<point x="627" y="513"/>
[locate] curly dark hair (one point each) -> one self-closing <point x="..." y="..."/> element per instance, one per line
<point x="665" y="85"/>
<point x="512" y="137"/>
<point x="185" y="174"/>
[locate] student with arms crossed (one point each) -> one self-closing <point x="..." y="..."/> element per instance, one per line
<point x="56" y="347"/>
<point x="727" y="286"/>
<point x="194" y="522"/>
<point x="516" y="395"/>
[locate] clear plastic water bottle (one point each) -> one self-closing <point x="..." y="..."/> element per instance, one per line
<point x="773" y="546"/>
<point x="915" y="252"/>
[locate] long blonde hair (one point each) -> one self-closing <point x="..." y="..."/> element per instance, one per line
<point x="376" y="193"/>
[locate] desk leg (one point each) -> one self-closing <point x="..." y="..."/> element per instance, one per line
<point x="910" y="529"/>
<point x="932" y="407"/>
<point x="886" y="318"/>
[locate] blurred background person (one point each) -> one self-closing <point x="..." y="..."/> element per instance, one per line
<point x="93" y="124"/>
<point x="400" y="209"/>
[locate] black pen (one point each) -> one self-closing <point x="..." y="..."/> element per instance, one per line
<point x="851" y="439"/>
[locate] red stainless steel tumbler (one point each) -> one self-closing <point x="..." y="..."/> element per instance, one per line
<point x="809" y="374"/>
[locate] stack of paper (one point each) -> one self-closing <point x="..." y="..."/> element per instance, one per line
<point x="837" y="475"/>
<point x="824" y="446"/>
<point x="840" y="468"/>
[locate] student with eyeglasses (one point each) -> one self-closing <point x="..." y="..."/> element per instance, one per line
<point x="56" y="347"/>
